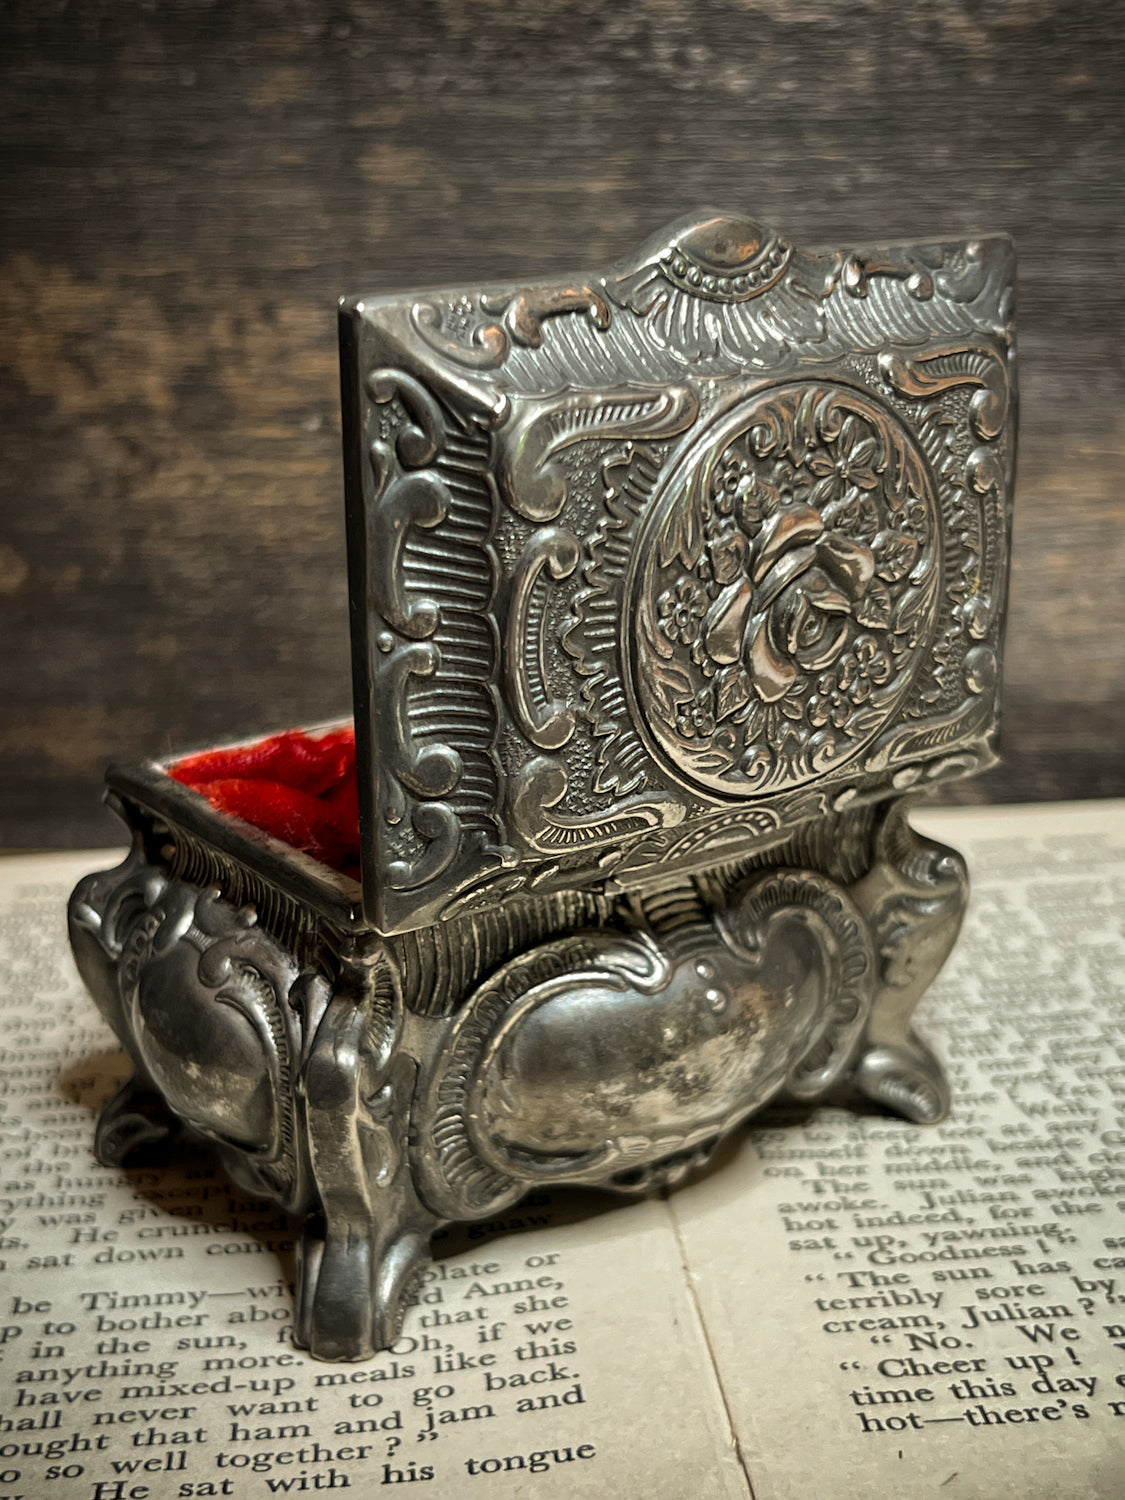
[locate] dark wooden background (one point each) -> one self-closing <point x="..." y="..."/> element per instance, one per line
<point x="188" y="186"/>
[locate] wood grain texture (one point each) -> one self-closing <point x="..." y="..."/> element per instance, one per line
<point x="188" y="186"/>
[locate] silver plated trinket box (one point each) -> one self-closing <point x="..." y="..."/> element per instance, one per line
<point x="668" y="584"/>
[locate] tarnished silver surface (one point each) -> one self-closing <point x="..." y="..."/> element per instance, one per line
<point x="668" y="560"/>
<point x="666" y="584"/>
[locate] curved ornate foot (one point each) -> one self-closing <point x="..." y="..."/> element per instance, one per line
<point x="360" y="1252"/>
<point x="135" y="1118"/>
<point x="353" y="1281"/>
<point x="914" y="899"/>
<point x="907" y="1079"/>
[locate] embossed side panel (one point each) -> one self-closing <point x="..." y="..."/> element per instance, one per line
<point x="649" y="567"/>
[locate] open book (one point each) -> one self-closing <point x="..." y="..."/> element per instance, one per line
<point x="843" y="1306"/>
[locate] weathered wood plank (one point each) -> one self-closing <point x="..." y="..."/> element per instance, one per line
<point x="188" y="186"/>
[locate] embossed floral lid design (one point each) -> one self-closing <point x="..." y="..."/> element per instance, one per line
<point x="649" y="567"/>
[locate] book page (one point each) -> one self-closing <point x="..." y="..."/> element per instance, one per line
<point x="146" y="1315"/>
<point x="899" y="1310"/>
<point x="968" y="1343"/>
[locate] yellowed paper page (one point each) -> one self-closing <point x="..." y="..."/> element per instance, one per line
<point x="898" y="1311"/>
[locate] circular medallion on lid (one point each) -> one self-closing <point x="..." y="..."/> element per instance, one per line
<point x="783" y="590"/>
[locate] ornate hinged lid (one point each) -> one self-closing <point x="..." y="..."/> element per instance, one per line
<point x="648" y="567"/>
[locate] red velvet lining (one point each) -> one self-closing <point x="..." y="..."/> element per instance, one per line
<point x="299" y="788"/>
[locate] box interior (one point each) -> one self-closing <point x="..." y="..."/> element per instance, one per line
<point x="298" y="787"/>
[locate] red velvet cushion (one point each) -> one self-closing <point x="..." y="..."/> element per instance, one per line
<point x="299" y="788"/>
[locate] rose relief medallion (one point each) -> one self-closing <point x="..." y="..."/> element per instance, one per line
<point x="784" y="589"/>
